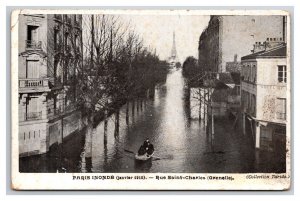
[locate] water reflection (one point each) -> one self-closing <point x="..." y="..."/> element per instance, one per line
<point x="163" y="120"/>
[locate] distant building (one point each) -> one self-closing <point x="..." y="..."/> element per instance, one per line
<point x="173" y="59"/>
<point x="264" y="95"/>
<point x="233" y="66"/>
<point x="48" y="45"/>
<point x="226" y="94"/>
<point x="227" y="35"/>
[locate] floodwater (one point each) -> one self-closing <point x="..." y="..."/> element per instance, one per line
<point x="181" y="144"/>
<point x="177" y="142"/>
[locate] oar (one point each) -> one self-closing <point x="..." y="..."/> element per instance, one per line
<point x="155" y="158"/>
<point x="129" y="151"/>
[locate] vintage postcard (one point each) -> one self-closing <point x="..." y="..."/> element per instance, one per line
<point x="151" y="99"/>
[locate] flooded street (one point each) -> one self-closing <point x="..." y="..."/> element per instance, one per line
<point x="181" y="144"/>
<point x="177" y="142"/>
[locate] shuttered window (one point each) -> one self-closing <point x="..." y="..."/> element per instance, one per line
<point x="281" y="108"/>
<point x="33" y="70"/>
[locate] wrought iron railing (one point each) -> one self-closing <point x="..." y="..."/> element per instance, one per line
<point x="33" y="82"/>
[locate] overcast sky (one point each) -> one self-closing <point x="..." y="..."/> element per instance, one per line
<point x="157" y="31"/>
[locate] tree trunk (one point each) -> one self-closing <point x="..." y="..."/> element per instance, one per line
<point x="105" y="126"/>
<point x="127" y="113"/>
<point x="187" y="99"/>
<point x="137" y="105"/>
<point x="132" y="108"/>
<point x="117" y="123"/>
<point x="205" y="108"/>
<point x="200" y="104"/>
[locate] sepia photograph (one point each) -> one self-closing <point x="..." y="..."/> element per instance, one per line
<point x="151" y="96"/>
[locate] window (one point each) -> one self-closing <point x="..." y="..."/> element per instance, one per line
<point x="282" y="74"/>
<point x="32" y="37"/>
<point x="32" y="33"/>
<point x="248" y="72"/>
<point x="281" y="108"/>
<point x="32" y="108"/>
<point x="32" y="69"/>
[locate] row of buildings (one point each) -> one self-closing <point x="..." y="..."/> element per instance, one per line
<point x="48" y="47"/>
<point x="248" y="55"/>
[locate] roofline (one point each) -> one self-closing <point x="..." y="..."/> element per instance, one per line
<point x="262" y="57"/>
<point x="256" y="55"/>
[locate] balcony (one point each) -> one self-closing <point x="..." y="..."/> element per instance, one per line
<point x="33" y="45"/>
<point x="32" y="116"/>
<point x="34" y="84"/>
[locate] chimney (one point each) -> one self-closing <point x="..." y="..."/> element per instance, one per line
<point x="235" y="58"/>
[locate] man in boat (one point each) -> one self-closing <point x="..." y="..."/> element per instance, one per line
<point x="146" y="143"/>
<point x="147" y="147"/>
<point x="142" y="150"/>
<point x="150" y="149"/>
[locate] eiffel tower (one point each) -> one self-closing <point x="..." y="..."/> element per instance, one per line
<point x="173" y="51"/>
<point x="173" y="57"/>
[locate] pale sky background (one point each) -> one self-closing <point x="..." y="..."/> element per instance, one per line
<point x="157" y="31"/>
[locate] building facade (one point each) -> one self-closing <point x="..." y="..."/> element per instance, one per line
<point x="264" y="96"/>
<point x="226" y="36"/>
<point x="50" y="50"/>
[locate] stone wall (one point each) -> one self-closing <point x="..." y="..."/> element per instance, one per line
<point x="33" y="137"/>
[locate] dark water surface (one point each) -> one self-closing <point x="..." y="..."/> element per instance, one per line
<point x="181" y="145"/>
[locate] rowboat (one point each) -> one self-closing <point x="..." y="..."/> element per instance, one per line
<point x="143" y="157"/>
